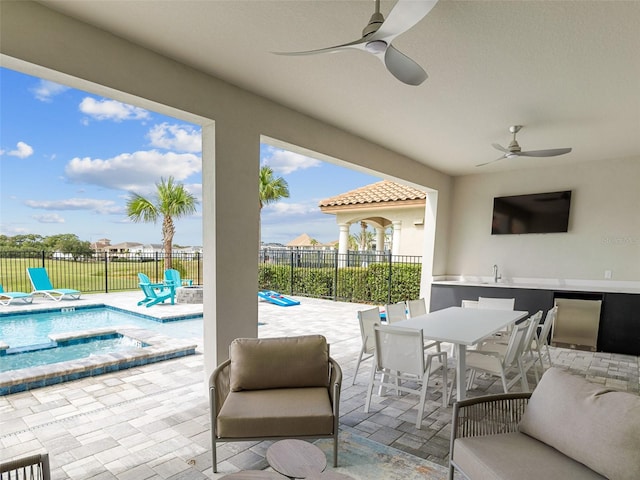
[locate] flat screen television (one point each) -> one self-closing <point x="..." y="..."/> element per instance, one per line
<point x="533" y="213"/>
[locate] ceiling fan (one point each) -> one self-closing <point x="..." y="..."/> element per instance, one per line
<point x="514" y="150"/>
<point x="378" y="35"/>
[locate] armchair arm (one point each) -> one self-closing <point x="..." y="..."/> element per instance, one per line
<point x="335" y="384"/>
<point x="488" y="415"/>
<point x="219" y="387"/>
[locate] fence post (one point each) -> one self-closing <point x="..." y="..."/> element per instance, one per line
<point x="43" y="265"/>
<point x="389" y="279"/>
<point x="106" y="272"/>
<point x="198" y="269"/>
<point x="156" y="262"/>
<point x="291" y="275"/>
<point x="335" y="278"/>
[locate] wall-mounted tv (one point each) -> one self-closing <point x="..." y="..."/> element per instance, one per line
<point x="533" y="213"/>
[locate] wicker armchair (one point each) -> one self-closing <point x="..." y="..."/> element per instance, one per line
<point x="32" y="467"/>
<point x="487" y="415"/>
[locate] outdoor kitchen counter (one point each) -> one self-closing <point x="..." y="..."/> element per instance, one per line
<point x="619" y="328"/>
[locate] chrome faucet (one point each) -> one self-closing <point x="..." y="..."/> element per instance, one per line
<point x="496" y="277"/>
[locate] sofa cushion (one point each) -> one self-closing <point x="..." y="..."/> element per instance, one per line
<point x="285" y="412"/>
<point x="287" y="362"/>
<point x="587" y="422"/>
<point x="515" y="456"/>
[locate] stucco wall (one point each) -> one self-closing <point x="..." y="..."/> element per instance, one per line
<point x="604" y="224"/>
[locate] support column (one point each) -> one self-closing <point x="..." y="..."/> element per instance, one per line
<point x="230" y="235"/>
<point x="380" y="239"/>
<point x="343" y="244"/>
<point x="395" y="243"/>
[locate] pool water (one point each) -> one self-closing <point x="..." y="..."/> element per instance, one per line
<point x="20" y="330"/>
<point x="68" y="350"/>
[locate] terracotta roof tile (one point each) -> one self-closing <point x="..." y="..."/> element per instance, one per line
<point x="384" y="191"/>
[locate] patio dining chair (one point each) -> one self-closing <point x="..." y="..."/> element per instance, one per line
<point x="395" y="312"/>
<point x="419" y="307"/>
<point x="400" y="358"/>
<point x="367" y="319"/>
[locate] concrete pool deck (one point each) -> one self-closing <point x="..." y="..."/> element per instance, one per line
<point x="153" y="421"/>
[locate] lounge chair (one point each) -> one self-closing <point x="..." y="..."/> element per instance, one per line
<point x="155" y="292"/>
<point x="7" y="297"/>
<point x="172" y="277"/>
<point x="42" y="286"/>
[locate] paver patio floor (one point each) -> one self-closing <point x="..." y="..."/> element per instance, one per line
<point x="153" y="421"/>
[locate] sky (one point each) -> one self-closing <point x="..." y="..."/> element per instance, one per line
<point x="70" y="159"/>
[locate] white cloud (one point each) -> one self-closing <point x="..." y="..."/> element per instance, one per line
<point x="184" y="138"/>
<point x="285" y="162"/>
<point x="48" y="218"/>
<point x="133" y="172"/>
<point x="46" y="90"/>
<point x="94" y="205"/>
<point x="22" y="150"/>
<point x="111" y="110"/>
<point x="287" y="209"/>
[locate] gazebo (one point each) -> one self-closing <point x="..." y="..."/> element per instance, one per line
<point x="381" y="205"/>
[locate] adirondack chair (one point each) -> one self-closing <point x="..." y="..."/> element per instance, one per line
<point x="155" y="293"/>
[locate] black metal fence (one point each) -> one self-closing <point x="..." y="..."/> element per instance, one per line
<point x="102" y="272"/>
<point x="368" y="277"/>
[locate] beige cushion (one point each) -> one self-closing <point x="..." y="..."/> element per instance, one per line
<point x="513" y="456"/>
<point x="284" y="412"/>
<point x="287" y="362"/>
<point x="588" y="422"/>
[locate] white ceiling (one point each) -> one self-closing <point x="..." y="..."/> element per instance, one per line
<point x="569" y="71"/>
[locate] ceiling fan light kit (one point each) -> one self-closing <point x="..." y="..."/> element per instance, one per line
<point x="378" y="35"/>
<point x="514" y="150"/>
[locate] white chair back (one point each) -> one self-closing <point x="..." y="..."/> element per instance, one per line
<point x="400" y="349"/>
<point x="531" y="331"/>
<point x="469" y="304"/>
<point x="496" y="303"/>
<point x="367" y="319"/>
<point x="416" y="307"/>
<point x="516" y="342"/>
<point x="396" y="312"/>
<point x="543" y="337"/>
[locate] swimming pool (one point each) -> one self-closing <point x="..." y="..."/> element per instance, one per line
<point x="32" y="328"/>
<point x="44" y="348"/>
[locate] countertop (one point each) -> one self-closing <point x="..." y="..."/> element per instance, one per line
<point x="596" y="286"/>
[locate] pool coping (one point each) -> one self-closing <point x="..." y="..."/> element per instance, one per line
<point x="160" y="348"/>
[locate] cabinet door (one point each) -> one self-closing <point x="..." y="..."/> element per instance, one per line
<point x="620" y="325"/>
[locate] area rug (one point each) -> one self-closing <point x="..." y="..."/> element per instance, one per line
<point x="364" y="459"/>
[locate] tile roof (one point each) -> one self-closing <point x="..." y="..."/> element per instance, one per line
<point x="384" y="191"/>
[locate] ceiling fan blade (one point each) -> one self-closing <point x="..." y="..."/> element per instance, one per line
<point x="403" y="68"/>
<point x="545" y="153"/>
<point x="403" y="16"/>
<point x="355" y="44"/>
<point x="499" y="147"/>
<point x="487" y="163"/>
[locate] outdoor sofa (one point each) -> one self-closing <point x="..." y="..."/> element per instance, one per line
<point x="273" y="389"/>
<point x="568" y="428"/>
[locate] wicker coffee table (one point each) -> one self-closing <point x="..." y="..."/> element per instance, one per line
<point x="296" y="458"/>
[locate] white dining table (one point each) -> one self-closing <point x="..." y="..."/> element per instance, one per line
<point x="463" y="327"/>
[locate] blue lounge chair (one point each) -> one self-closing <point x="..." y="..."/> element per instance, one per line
<point x="155" y="292"/>
<point x="42" y="286"/>
<point x="172" y="277"/>
<point x="7" y="297"/>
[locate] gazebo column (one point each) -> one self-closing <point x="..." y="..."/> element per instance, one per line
<point x="395" y="242"/>
<point x="380" y="239"/>
<point x="343" y="244"/>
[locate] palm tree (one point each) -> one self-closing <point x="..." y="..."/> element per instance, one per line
<point x="172" y="201"/>
<point x="271" y="188"/>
